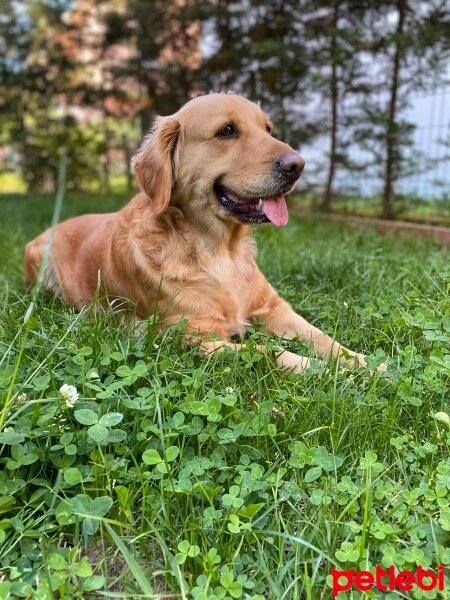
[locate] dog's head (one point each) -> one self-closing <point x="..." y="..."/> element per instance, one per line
<point x="217" y="156"/>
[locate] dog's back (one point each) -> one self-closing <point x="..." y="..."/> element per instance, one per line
<point x="71" y="239"/>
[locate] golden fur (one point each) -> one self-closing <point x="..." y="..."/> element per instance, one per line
<point x="174" y="245"/>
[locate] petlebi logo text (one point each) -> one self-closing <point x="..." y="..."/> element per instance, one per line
<point x="388" y="580"/>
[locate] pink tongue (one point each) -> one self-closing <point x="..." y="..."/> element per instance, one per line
<point x="276" y="210"/>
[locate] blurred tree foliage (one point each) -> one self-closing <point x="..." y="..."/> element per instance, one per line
<point x="260" y="50"/>
<point x="338" y="75"/>
<point x="38" y="86"/>
<point x="164" y="59"/>
<point x="32" y="70"/>
<point x="92" y="76"/>
<point x="411" y="42"/>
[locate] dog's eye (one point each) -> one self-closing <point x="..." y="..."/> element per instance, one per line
<point x="228" y="130"/>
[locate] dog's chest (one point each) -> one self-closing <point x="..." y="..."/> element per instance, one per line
<point x="210" y="286"/>
<point x="230" y="275"/>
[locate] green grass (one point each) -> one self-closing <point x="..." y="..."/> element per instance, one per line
<point x="432" y="210"/>
<point x="180" y="476"/>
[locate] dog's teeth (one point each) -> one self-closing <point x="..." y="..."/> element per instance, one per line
<point x="260" y="204"/>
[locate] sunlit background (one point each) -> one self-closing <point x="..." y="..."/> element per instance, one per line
<point x="360" y="88"/>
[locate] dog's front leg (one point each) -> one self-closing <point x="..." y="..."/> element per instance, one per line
<point x="285" y="322"/>
<point x="279" y="318"/>
<point x="284" y="358"/>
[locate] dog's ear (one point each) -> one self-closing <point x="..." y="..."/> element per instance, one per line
<point x="154" y="163"/>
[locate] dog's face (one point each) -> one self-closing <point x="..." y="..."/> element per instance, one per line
<point x="217" y="155"/>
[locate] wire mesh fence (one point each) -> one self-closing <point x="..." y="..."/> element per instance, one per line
<point x="424" y="187"/>
<point x="431" y="112"/>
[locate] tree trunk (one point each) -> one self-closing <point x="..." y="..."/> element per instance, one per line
<point x="328" y="193"/>
<point x="391" y="141"/>
<point x="28" y="173"/>
<point x="106" y="157"/>
<point x="127" y="152"/>
<point x="146" y="117"/>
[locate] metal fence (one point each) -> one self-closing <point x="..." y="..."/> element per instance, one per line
<point x="429" y="154"/>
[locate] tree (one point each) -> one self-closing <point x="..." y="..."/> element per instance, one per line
<point x="36" y="75"/>
<point x="159" y="73"/>
<point x="335" y="42"/>
<point x="257" y="49"/>
<point x="409" y="48"/>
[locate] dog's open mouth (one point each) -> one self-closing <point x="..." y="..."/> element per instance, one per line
<point x="254" y="210"/>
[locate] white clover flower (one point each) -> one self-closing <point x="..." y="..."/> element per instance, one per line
<point x="443" y="418"/>
<point x="345" y="304"/>
<point x="70" y="394"/>
<point x="21" y="398"/>
<point x="229" y="390"/>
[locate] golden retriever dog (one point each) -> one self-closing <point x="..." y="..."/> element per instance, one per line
<point x="183" y="245"/>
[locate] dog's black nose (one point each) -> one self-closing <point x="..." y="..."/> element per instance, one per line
<point x="290" y="164"/>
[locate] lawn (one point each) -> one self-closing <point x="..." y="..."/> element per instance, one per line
<point x="433" y="211"/>
<point x="178" y="476"/>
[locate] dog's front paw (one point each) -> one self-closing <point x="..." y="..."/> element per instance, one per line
<point x="360" y="361"/>
<point x="382" y="368"/>
<point x="292" y="362"/>
<point x="355" y="360"/>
